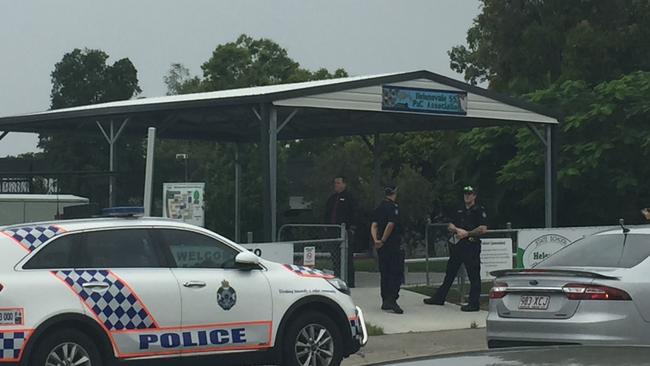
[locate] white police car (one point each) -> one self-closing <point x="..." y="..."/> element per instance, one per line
<point x="97" y="291"/>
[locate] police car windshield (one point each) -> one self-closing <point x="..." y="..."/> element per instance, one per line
<point x="608" y="250"/>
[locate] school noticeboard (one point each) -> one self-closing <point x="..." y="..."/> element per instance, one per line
<point x="397" y="98"/>
<point x="496" y="254"/>
<point x="184" y="202"/>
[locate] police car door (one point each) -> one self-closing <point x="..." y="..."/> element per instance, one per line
<point x="223" y="308"/>
<point x="121" y="278"/>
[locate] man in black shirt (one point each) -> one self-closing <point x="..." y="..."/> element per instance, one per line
<point x="341" y="209"/>
<point x="386" y="233"/>
<point x="468" y="223"/>
<point x="340" y="205"/>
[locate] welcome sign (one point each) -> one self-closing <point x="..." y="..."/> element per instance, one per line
<point x="397" y="98"/>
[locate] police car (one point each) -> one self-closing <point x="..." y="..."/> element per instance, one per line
<point x="97" y="291"/>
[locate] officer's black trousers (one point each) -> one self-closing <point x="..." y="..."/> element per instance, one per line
<point x="468" y="253"/>
<point x="391" y="269"/>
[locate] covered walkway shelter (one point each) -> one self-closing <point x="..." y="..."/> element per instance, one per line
<point x="362" y="105"/>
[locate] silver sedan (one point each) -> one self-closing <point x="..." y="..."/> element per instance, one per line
<point x="540" y="356"/>
<point x="595" y="291"/>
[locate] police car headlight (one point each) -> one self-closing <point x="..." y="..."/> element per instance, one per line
<point x="340" y="285"/>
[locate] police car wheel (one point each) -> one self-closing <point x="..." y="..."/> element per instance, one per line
<point x="67" y="347"/>
<point x="313" y="339"/>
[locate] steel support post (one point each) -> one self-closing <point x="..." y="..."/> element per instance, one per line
<point x="237" y="201"/>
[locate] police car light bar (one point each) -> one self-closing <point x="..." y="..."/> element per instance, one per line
<point x="123" y="212"/>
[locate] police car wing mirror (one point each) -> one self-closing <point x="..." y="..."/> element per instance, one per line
<point x="247" y="258"/>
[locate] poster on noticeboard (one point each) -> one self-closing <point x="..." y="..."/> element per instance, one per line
<point x="184" y="202"/>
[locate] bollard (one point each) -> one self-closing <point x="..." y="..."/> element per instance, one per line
<point x="249" y="237"/>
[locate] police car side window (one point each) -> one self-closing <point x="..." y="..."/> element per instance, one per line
<point x="194" y="250"/>
<point x="59" y="253"/>
<point x="121" y="248"/>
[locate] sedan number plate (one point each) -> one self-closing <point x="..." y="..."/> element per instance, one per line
<point x="534" y="302"/>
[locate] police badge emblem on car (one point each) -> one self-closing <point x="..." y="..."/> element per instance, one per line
<point x="226" y="296"/>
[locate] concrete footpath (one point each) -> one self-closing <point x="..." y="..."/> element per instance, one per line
<point x="417" y="316"/>
<point x="395" y="347"/>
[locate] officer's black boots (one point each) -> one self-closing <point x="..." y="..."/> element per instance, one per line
<point x="392" y="305"/>
<point x="433" y="301"/>
<point x="468" y="307"/>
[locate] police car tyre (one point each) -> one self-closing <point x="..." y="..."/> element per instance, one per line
<point x="66" y="347"/>
<point x="313" y="339"/>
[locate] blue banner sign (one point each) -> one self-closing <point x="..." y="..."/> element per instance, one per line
<point x="396" y="98"/>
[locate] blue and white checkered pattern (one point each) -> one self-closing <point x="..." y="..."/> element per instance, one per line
<point x="31" y="237"/>
<point x="11" y="343"/>
<point x="306" y="271"/>
<point x="355" y="328"/>
<point x="117" y="307"/>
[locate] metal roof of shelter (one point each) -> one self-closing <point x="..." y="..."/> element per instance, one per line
<point x="359" y="105"/>
<point x="335" y="107"/>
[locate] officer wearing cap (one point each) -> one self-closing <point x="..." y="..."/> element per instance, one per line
<point x="468" y="223"/>
<point x="386" y="233"/>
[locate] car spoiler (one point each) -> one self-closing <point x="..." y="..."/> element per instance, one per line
<point x="549" y="272"/>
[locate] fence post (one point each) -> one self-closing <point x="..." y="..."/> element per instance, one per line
<point x="344" y="253"/>
<point x="426" y="252"/>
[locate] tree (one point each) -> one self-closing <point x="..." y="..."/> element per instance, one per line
<point x="84" y="77"/>
<point x="178" y="80"/>
<point x="520" y="46"/>
<point x="578" y="57"/>
<point x="607" y="139"/>
<point x="243" y="63"/>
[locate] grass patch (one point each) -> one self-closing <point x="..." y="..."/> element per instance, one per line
<point x="370" y="265"/>
<point x="454" y="295"/>
<point x="374" y="330"/>
<point x="365" y="265"/>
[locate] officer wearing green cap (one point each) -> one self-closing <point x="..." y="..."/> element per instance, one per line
<point x="386" y="232"/>
<point x="468" y="224"/>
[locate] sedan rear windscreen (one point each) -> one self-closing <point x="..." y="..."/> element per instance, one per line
<point x="608" y="250"/>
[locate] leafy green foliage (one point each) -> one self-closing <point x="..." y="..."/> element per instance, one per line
<point x="84" y="77"/>
<point x="582" y="59"/>
<point x="524" y="45"/>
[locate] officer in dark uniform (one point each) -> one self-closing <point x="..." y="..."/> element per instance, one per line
<point x="341" y="208"/>
<point x="386" y="232"/>
<point x="468" y="223"/>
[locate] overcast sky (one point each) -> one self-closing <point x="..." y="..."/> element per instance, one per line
<point x="362" y="36"/>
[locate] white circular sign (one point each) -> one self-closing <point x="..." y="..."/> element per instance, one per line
<point x="542" y="248"/>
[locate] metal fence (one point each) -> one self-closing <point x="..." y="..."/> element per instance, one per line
<point x="436" y="249"/>
<point x="330" y="243"/>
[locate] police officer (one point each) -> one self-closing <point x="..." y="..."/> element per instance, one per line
<point x="468" y="223"/>
<point x="386" y="233"/>
<point x="341" y="208"/>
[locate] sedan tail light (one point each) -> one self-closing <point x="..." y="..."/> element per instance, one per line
<point x="499" y="290"/>
<point x="579" y="291"/>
